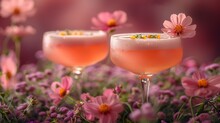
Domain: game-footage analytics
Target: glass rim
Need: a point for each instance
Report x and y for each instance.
(127, 36)
(55, 34)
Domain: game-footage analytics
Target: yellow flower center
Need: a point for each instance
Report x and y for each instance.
(111, 23)
(202, 83)
(178, 29)
(62, 92)
(69, 32)
(104, 108)
(8, 75)
(16, 11)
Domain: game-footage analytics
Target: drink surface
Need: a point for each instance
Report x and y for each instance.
(75, 50)
(145, 56)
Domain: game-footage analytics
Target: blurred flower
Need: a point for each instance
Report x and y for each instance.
(19, 31)
(180, 25)
(106, 109)
(19, 10)
(135, 115)
(86, 97)
(108, 92)
(109, 21)
(117, 89)
(22, 106)
(9, 70)
(154, 90)
(145, 112)
(211, 66)
(200, 85)
(60, 89)
(189, 62)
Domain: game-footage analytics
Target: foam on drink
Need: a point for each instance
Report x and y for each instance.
(124, 41)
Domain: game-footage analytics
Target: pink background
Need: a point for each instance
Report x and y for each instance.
(143, 16)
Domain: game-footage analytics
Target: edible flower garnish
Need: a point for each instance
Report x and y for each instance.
(154, 36)
(70, 32)
(140, 36)
(179, 25)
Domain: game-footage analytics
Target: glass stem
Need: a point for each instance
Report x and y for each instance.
(145, 85)
(77, 73)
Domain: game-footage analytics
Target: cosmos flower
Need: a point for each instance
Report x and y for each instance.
(180, 25)
(200, 85)
(9, 70)
(109, 21)
(60, 90)
(18, 10)
(19, 31)
(106, 109)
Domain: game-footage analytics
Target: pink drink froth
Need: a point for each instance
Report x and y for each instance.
(76, 50)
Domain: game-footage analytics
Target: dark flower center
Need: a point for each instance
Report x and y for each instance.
(16, 11)
(111, 23)
(178, 29)
(8, 75)
(62, 92)
(104, 108)
(203, 83)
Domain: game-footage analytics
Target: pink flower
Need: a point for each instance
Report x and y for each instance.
(19, 31)
(109, 21)
(9, 70)
(60, 90)
(86, 97)
(19, 10)
(200, 85)
(146, 112)
(212, 66)
(180, 25)
(108, 92)
(106, 109)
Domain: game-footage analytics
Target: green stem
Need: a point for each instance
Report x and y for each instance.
(17, 48)
(5, 45)
(191, 108)
(128, 106)
(180, 115)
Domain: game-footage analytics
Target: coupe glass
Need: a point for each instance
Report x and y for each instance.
(75, 49)
(145, 54)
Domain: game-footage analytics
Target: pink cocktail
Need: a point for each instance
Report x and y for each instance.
(147, 54)
(76, 49)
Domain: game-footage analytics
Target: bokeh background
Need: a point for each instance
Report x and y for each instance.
(143, 16)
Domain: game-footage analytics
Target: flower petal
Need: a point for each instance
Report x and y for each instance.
(120, 16)
(189, 83)
(189, 92)
(187, 21)
(191, 27)
(55, 87)
(168, 24)
(99, 100)
(104, 17)
(91, 108)
(117, 107)
(174, 19)
(67, 82)
(181, 17)
(215, 81)
(198, 75)
(188, 34)
(97, 22)
(105, 118)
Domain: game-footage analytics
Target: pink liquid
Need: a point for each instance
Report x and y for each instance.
(148, 61)
(76, 52)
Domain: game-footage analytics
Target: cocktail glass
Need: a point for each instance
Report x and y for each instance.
(75, 49)
(145, 54)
